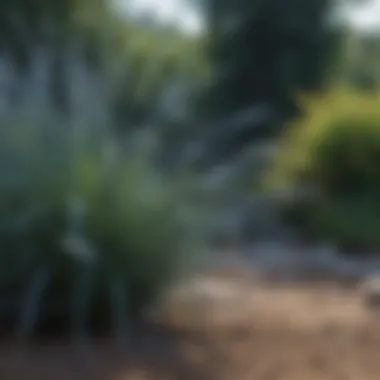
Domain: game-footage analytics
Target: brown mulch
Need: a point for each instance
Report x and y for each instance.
(279, 332)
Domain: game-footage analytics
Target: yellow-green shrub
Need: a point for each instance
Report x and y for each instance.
(334, 149)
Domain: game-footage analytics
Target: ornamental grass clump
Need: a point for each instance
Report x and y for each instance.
(90, 235)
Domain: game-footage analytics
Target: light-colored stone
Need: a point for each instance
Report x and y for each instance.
(204, 303)
(370, 290)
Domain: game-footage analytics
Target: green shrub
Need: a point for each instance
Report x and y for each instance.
(334, 150)
(88, 238)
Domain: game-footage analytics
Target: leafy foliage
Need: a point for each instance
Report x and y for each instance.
(335, 149)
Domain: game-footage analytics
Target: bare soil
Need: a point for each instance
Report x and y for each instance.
(278, 331)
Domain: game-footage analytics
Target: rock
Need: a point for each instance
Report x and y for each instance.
(370, 290)
(204, 303)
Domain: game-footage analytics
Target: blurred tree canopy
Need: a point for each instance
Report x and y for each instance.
(24, 22)
(266, 51)
(47, 32)
(157, 64)
(140, 62)
(255, 51)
